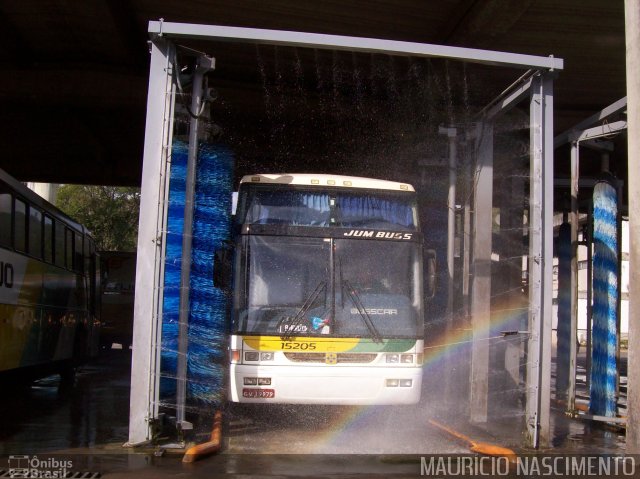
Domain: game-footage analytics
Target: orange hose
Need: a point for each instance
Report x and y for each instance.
(207, 448)
(479, 447)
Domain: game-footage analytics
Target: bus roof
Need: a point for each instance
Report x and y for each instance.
(326, 180)
(35, 199)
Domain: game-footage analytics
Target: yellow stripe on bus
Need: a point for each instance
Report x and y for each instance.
(320, 345)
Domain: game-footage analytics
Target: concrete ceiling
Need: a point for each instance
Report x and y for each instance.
(74, 73)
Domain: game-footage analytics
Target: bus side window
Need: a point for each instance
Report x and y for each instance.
(78, 264)
(35, 232)
(59, 244)
(48, 239)
(20, 226)
(5, 218)
(69, 248)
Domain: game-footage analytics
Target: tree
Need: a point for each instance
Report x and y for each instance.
(110, 213)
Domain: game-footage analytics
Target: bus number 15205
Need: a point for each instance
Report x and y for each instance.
(299, 346)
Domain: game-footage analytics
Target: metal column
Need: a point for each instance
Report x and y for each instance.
(481, 292)
(573, 220)
(540, 262)
(451, 218)
(147, 324)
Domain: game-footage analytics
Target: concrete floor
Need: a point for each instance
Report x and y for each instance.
(88, 424)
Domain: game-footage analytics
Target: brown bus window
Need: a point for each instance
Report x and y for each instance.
(48, 239)
(77, 257)
(35, 232)
(5, 218)
(69, 249)
(59, 249)
(20, 226)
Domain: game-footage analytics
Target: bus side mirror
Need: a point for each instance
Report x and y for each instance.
(222, 267)
(430, 280)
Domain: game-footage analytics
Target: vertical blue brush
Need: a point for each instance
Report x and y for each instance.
(605, 299)
(173, 261)
(564, 311)
(207, 320)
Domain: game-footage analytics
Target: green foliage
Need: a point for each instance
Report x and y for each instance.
(109, 212)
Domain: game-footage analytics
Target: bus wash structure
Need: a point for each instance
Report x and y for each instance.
(49, 287)
(327, 291)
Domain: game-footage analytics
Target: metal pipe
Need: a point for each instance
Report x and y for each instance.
(573, 337)
(451, 216)
(204, 64)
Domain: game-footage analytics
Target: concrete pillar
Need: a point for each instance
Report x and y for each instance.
(48, 191)
(632, 24)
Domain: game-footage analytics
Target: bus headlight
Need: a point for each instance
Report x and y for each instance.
(266, 356)
(406, 359)
(392, 358)
(392, 383)
(406, 383)
(251, 355)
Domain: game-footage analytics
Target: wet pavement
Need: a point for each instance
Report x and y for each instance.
(87, 423)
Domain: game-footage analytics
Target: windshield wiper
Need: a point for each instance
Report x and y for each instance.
(355, 298)
(297, 319)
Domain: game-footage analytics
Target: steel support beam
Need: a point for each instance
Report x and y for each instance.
(540, 262)
(599, 131)
(353, 44)
(147, 324)
(566, 136)
(510, 97)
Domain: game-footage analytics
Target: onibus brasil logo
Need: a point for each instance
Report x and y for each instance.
(32, 466)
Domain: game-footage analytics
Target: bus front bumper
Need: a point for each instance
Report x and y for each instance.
(351, 385)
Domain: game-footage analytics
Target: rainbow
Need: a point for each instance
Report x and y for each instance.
(443, 350)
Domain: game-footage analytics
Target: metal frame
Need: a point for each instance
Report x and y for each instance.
(153, 216)
(584, 132)
(147, 326)
(537, 411)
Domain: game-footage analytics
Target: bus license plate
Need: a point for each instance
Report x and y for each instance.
(258, 393)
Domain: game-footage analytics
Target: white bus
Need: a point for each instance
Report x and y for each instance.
(327, 291)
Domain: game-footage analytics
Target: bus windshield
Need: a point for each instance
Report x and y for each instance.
(330, 287)
(301, 206)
